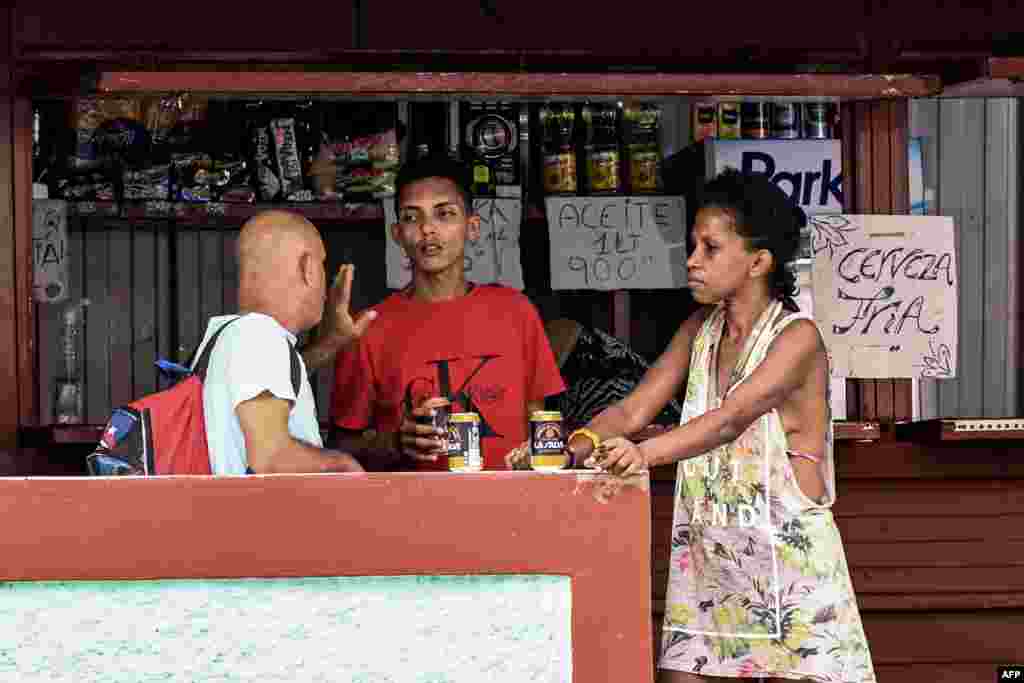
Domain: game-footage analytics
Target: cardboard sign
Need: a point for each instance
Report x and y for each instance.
(49, 250)
(608, 243)
(885, 294)
(494, 258)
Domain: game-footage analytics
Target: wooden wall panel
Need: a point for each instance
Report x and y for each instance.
(120, 275)
(190, 327)
(875, 167)
(144, 308)
(25, 346)
(49, 322)
(99, 317)
(165, 309)
(9, 332)
(211, 277)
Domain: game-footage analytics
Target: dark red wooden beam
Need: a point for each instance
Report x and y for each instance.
(233, 81)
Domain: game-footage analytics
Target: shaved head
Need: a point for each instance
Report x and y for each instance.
(280, 256)
(272, 238)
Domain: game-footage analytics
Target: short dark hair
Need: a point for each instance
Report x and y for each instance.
(439, 166)
(765, 217)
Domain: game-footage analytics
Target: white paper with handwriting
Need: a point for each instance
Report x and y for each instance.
(885, 291)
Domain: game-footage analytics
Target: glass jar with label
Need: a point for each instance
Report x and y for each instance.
(602, 149)
(558, 155)
(643, 147)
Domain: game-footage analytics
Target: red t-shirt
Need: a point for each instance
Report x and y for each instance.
(486, 352)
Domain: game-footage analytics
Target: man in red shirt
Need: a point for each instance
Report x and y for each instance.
(482, 347)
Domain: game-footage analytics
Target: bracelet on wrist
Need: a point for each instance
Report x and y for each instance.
(589, 434)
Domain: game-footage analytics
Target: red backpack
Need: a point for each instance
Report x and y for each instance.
(165, 432)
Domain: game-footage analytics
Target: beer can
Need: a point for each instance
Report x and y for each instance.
(705, 121)
(464, 443)
(786, 120)
(817, 125)
(755, 120)
(547, 441)
(729, 121)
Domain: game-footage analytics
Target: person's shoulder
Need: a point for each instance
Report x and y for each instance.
(393, 314)
(503, 295)
(252, 331)
(800, 334)
(396, 301)
(700, 316)
(256, 323)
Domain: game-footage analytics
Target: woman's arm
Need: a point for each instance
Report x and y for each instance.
(657, 387)
(786, 366)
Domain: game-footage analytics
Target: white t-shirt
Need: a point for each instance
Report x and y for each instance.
(251, 356)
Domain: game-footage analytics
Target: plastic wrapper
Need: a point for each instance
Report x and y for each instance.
(153, 182)
(364, 167)
(301, 196)
(286, 154)
(186, 169)
(266, 180)
(238, 194)
(87, 115)
(121, 141)
(188, 132)
(87, 187)
(160, 116)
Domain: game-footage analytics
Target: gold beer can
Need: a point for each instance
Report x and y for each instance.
(547, 441)
(464, 443)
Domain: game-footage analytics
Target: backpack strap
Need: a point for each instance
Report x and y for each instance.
(204, 360)
(296, 369)
(199, 369)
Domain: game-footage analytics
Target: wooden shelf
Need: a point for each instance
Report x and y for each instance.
(963, 429)
(855, 431)
(271, 80)
(194, 213)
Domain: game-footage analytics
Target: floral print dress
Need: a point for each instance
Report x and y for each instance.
(758, 583)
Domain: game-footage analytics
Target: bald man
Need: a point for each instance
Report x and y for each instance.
(255, 421)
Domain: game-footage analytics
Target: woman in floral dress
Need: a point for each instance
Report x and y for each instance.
(758, 584)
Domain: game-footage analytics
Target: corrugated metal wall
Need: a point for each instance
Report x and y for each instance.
(972, 164)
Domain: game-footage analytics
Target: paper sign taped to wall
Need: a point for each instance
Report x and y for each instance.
(608, 243)
(885, 294)
(494, 258)
(49, 250)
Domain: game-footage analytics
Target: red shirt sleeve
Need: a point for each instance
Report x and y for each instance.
(546, 379)
(354, 391)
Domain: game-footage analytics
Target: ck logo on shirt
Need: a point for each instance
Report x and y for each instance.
(463, 398)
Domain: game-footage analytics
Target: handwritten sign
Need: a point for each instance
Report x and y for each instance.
(49, 250)
(608, 243)
(494, 258)
(885, 294)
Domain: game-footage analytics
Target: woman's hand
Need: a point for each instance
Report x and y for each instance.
(519, 457)
(618, 456)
